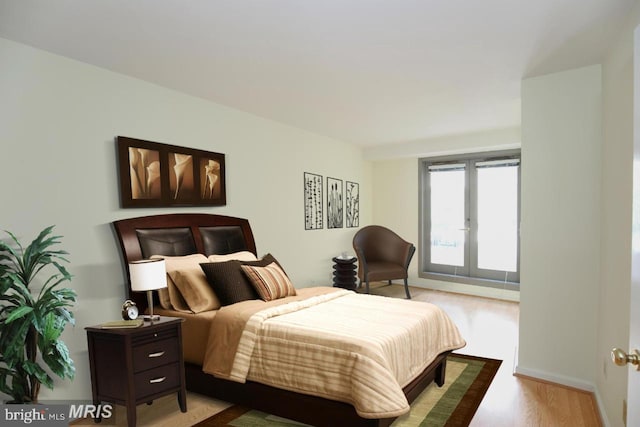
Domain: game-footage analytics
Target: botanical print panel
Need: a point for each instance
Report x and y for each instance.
(352, 204)
(144, 167)
(181, 182)
(313, 215)
(335, 205)
(210, 179)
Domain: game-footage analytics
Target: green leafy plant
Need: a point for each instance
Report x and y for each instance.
(30, 324)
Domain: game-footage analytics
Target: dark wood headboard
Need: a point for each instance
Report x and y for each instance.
(179, 234)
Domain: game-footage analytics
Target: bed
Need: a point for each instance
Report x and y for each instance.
(179, 235)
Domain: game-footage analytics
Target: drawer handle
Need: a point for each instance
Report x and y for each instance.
(157, 380)
(158, 354)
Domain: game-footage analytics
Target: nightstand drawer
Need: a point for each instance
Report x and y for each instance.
(154, 354)
(157, 380)
(157, 335)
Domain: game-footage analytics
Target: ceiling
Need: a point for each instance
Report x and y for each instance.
(369, 72)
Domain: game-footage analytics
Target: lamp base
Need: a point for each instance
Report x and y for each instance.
(150, 317)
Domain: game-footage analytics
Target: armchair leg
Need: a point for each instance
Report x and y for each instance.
(406, 289)
(389, 281)
(367, 283)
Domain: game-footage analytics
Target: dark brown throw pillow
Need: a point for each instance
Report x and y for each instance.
(229, 282)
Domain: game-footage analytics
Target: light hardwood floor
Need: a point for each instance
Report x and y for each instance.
(490, 328)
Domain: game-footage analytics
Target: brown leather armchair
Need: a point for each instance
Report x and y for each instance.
(382, 255)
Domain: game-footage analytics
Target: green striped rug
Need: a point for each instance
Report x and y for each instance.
(454, 404)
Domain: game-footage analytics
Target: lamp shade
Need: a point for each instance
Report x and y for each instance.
(148, 275)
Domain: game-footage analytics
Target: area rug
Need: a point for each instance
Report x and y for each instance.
(454, 404)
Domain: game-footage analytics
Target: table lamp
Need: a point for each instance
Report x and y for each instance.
(148, 275)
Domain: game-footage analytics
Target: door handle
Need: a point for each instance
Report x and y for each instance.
(621, 358)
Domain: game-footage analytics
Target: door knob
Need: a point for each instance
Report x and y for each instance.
(621, 358)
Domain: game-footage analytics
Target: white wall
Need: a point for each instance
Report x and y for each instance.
(560, 225)
(617, 174)
(488, 140)
(58, 121)
(396, 193)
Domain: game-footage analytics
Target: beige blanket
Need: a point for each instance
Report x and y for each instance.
(336, 344)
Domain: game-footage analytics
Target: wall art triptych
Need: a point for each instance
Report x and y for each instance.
(342, 203)
(154, 175)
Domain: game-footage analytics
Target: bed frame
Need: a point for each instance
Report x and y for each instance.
(184, 234)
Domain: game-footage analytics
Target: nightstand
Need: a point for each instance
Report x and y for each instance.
(130, 366)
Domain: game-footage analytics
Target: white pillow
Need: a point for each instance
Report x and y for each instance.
(236, 256)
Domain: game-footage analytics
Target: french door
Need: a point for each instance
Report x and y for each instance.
(471, 215)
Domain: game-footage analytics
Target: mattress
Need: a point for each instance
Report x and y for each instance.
(195, 332)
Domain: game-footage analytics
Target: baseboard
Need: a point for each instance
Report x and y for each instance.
(601, 411)
(565, 381)
(556, 379)
(461, 288)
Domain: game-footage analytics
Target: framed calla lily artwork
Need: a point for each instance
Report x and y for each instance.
(153, 174)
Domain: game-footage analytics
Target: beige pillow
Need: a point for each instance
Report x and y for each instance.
(195, 289)
(236, 256)
(165, 300)
(170, 297)
(187, 285)
(270, 282)
(163, 296)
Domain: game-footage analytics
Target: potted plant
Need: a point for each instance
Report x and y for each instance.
(31, 323)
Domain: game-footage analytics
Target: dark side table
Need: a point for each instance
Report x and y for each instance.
(344, 272)
(130, 366)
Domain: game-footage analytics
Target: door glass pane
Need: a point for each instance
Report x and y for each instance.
(498, 218)
(447, 217)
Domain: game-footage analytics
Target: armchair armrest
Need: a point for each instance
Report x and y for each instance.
(402, 252)
(362, 262)
(412, 250)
